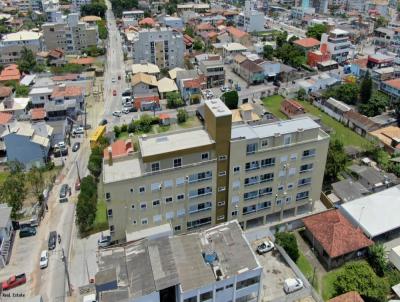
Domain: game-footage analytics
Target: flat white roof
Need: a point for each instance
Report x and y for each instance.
(234, 47)
(41, 90)
(127, 168)
(217, 107)
(163, 230)
(377, 213)
(153, 145)
(23, 35)
(338, 31)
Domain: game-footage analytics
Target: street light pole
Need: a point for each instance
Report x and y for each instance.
(64, 259)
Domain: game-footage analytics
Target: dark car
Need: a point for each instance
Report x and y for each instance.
(103, 122)
(52, 240)
(76, 146)
(63, 191)
(127, 92)
(27, 232)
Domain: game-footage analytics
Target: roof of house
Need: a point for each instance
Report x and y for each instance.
(348, 190)
(90, 19)
(188, 40)
(294, 103)
(387, 135)
(395, 83)
(5, 118)
(251, 66)
(362, 62)
(56, 53)
(237, 33)
(66, 91)
(23, 35)
(16, 104)
(172, 72)
(212, 34)
(234, 47)
(335, 233)
(83, 61)
(38, 113)
(5, 91)
(145, 68)
(352, 296)
(164, 116)
(119, 148)
(307, 42)
(10, 72)
(66, 77)
(204, 26)
(361, 120)
(144, 78)
(166, 85)
(239, 58)
(192, 83)
(147, 21)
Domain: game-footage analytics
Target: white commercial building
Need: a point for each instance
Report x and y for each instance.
(377, 214)
(11, 45)
(215, 265)
(251, 20)
(339, 45)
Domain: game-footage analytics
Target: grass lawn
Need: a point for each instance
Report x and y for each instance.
(273, 103)
(190, 122)
(307, 269)
(101, 215)
(347, 136)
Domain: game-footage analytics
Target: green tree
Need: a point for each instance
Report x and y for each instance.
(301, 94)
(27, 61)
(198, 44)
(96, 161)
(189, 30)
(182, 116)
(94, 51)
(336, 160)
(87, 204)
(21, 91)
(119, 6)
(379, 155)
(281, 39)
(13, 191)
(347, 93)
(377, 258)
(289, 243)
(316, 31)
(381, 21)
(117, 131)
(376, 105)
(231, 99)
(36, 181)
(174, 100)
(145, 123)
(291, 55)
(359, 276)
(366, 88)
(268, 52)
(94, 9)
(102, 27)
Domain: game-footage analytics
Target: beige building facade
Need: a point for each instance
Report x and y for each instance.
(205, 176)
(11, 45)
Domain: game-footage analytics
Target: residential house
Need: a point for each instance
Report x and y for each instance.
(213, 70)
(373, 179)
(348, 189)
(316, 55)
(6, 235)
(229, 50)
(146, 102)
(383, 36)
(307, 44)
(130, 18)
(10, 73)
(358, 67)
(318, 82)
(6, 119)
(251, 72)
(204, 27)
(147, 22)
(239, 36)
(6, 93)
(335, 240)
(339, 45)
(380, 60)
(172, 72)
(144, 84)
(26, 145)
(194, 7)
(40, 96)
(37, 114)
(188, 41)
(92, 20)
(292, 108)
(191, 90)
(65, 101)
(147, 68)
(166, 85)
(173, 22)
(56, 57)
(117, 149)
(245, 114)
(389, 138)
(391, 88)
(379, 75)
(333, 108)
(272, 69)
(16, 106)
(359, 123)
(352, 296)
(11, 45)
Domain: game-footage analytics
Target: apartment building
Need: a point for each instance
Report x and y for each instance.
(204, 176)
(251, 20)
(339, 45)
(11, 45)
(213, 71)
(161, 46)
(132, 17)
(226, 268)
(71, 35)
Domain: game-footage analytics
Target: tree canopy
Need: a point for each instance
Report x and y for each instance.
(174, 100)
(366, 88)
(376, 104)
(96, 8)
(27, 61)
(347, 93)
(289, 243)
(316, 31)
(119, 6)
(231, 99)
(336, 160)
(268, 52)
(182, 116)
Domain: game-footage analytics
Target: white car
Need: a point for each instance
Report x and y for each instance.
(292, 284)
(113, 80)
(125, 110)
(265, 247)
(44, 259)
(117, 113)
(61, 145)
(104, 241)
(78, 130)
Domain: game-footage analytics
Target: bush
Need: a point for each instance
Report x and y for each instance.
(87, 202)
(117, 131)
(288, 242)
(132, 127)
(124, 127)
(377, 258)
(182, 116)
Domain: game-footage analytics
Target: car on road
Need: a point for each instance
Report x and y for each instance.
(126, 92)
(27, 232)
(76, 146)
(52, 240)
(61, 145)
(114, 92)
(44, 259)
(103, 122)
(126, 110)
(13, 281)
(119, 77)
(292, 284)
(117, 113)
(78, 130)
(104, 241)
(113, 80)
(265, 247)
(64, 191)
(77, 185)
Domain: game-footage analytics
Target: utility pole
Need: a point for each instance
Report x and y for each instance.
(64, 259)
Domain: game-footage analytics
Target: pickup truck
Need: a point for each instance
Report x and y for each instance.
(13, 281)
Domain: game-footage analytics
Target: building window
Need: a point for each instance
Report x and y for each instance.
(223, 157)
(236, 169)
(112, 229)
(142, 189)
(206, 296)
(222, 173)
(134, 222)
(309, 153)
(280, 188)
(268, 162)
(108, 196)
(177, 228)
(287, 139)
(131, 190)
(302, 195)
(293, 156)
(156, 203)
(180, 181)
(221, 203)
(191, 299)
(180, 197)
(251, 148)
(155, 166)
(205, 156)
(250, 195)
(221, 189)
(266, 177)
(252, 165)
(144, 221)
(264, 143)
(168, 199)
(199, 222)
(290, 186)
(265, 191)
(306, 168)
(222, 217)
(229, 286)
(203, 206)
(234, 213)
(143, 205)
(247, 282)
(304, 182)
(109, 213)
(133, 207)
(219, 289)
(177, 162)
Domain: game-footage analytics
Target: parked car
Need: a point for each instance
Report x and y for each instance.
(126, 92)
(78, 130)
(113, 80)
(126, 110)
(265, 247)
(52, 240)
(103, 122)
(44, 259)
(292, 284)
(114, 92)
(104, 241)
(77, 185)
(61, 145)
(27, 232)
(63, 191)
(117, 113)
(13, 281)
(76, 146)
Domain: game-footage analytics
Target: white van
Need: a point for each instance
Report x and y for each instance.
(44, 259)
(292, 284)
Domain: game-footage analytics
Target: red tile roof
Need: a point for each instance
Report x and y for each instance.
(66, 77)
(204, 26)
(83, 61)
(5, 118)
(295, 104)
(38, 114)
(237, 33)
(194, 83)
(147, 21)
(138, 100)
(66, 91)
(362, 62)
(5, 91)
(10, 72)
(393, 83)
(361, 120)
(56, 53)
(335, 233)
(307, 42)
(352, 296)
(164, 116)
(119, 148)
(188, 40)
